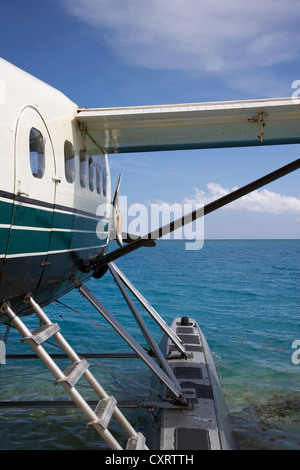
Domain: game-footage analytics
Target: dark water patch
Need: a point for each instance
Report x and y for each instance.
(274, 424)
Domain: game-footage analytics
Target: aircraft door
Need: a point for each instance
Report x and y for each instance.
(35, 166)
(34, 196)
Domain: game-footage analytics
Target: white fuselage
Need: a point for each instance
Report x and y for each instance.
(55, 190)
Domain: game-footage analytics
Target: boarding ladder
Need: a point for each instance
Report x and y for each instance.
(107, 405)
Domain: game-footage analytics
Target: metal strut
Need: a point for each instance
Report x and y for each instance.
(152, 343)
(171, 383)
(106, 407)
(163, 325)
(203, 211)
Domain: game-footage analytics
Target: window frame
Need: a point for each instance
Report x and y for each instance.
(69, 158)
(92, 174)
(98, 178)
(83, 168)
(104, 181)
(37, 155)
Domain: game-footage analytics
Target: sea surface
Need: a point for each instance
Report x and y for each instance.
(245, 295)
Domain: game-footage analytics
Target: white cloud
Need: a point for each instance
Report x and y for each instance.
(263, 201)
(212, 36)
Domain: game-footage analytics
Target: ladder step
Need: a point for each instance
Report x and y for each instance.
(136, 442)
(43, 333)
(105, 407)
(104, 411)
(73, 372)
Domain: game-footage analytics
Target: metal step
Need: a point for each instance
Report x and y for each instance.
(43, 333)
(104, 411)
(73, 372)
(136, 442)
(78, 367)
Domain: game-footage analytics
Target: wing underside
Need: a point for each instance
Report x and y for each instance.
(193, 126)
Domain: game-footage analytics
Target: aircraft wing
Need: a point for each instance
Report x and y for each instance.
(193, 126)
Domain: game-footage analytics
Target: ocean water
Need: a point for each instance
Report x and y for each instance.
(245, 296)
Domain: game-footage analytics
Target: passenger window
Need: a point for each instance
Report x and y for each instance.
(98, 178)
(104, 173)
(83, 169)
(37, 153)
(69, 162)
(91, 174)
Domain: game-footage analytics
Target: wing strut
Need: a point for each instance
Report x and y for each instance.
(153, 313)
(207, 209)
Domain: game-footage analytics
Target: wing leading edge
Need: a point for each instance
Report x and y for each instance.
(193, 126)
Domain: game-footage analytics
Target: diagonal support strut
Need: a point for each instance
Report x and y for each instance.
(207, 209)
(148, 307)
(152, 343)
(164, 378)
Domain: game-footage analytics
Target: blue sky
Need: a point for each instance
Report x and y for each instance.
(104, 53)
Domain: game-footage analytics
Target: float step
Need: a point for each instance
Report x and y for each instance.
(43, 333)
(136, 442)
(104, 411)
(73, 372)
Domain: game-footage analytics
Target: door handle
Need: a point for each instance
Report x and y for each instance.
(56, 179)
(22, 193)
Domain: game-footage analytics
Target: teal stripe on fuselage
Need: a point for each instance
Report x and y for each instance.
(25, 216)
(28, 241)
(71, 240)
(33, 241)
(5, 212)
(75, 221)
(35, 217)
(32, 231)
(4, 234)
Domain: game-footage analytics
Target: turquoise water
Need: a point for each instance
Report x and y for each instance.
(244, 295)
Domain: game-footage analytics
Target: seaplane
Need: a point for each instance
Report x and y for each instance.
(58, 215)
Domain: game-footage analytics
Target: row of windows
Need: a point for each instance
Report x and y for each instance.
(90, 172)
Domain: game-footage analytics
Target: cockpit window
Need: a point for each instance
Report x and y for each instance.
(69, 162)
(37, 153)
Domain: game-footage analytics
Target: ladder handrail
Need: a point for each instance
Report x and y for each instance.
(62, 379)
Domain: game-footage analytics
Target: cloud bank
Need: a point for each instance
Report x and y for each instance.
(263, 201)
(214, 36)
